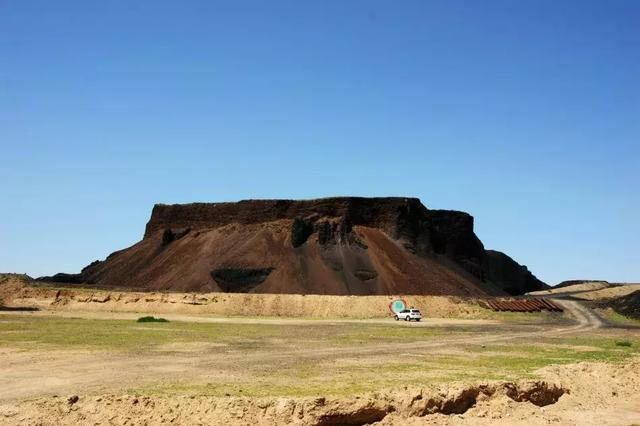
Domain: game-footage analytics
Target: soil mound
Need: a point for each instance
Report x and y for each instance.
(590, 291)
(33, 297)
(570, 283)
(338, 246)
(628, 305)
(564, 394)
(397, 405)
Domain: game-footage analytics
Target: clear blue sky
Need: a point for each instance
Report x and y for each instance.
(525, 114)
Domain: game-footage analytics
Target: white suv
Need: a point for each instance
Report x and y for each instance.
(408, 315)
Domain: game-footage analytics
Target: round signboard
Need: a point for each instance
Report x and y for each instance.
(397, 306)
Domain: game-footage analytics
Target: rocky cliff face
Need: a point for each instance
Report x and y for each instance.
(346, 245)
(510, 276)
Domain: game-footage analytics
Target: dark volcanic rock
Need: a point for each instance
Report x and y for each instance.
(382, 213)
(240, 280)
(301, 229)
(337, 231)
(344, 245)
(365, 275)
(628, 305)
(510, 276)
(91, 265)
(170, 235)
(62, 277)
(167, 237)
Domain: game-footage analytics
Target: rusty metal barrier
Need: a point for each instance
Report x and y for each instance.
(520, 305)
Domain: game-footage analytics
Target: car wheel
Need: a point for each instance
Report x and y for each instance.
(407, 318)
(396, 318)
(418, 319)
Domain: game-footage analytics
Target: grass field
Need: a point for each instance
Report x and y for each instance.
(618, 318)
(36, 332)
(344, 376)
(309, 358)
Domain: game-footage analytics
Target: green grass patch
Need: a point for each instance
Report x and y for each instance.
(624, 343)
(542, 317)
(618, 318)
(35, 331)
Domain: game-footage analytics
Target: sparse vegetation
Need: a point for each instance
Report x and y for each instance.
(331, 377)
(618, 318)
(371, 359)
(543, 317)
(124, 334)
(152, 319)
(19, 277)
(624, 343)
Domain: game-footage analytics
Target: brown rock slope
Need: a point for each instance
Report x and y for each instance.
(343, 245)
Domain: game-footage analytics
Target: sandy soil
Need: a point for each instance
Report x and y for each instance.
(74, 386)
(576, 288)
(33, 373)
(592, 291)
(225, 304)
(565, 395)
(30, 373)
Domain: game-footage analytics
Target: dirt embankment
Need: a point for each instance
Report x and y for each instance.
(621, 298)
(565, 395)
(19, 294)
(627, 305)
(591, 290)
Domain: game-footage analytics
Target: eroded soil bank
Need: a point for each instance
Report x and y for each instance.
(18, 294)
(583, 393)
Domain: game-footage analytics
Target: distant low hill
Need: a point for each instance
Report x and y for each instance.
(343, 245)
(569, 283)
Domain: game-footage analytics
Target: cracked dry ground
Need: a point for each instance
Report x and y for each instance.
(76, 368)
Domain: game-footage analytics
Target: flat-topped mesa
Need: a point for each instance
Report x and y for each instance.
(340, 245)
(402, 218)
(374, 212)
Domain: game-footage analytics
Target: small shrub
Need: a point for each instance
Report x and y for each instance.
(152, 319)
(624, 343)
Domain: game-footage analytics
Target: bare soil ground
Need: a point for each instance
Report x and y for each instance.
(16, 293)
(618, 303)
(593, 291)
(63, 365)
(563, 396)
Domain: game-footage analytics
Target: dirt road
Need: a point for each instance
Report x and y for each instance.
(586, 318)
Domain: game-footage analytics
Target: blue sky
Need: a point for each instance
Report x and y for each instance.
(525, 114)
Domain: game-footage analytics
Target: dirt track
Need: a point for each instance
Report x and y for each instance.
(586, 318)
